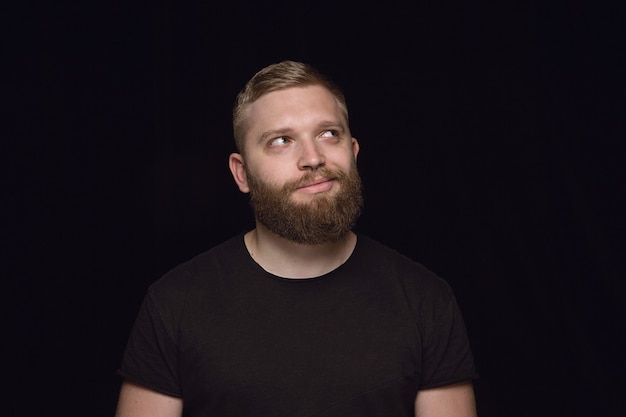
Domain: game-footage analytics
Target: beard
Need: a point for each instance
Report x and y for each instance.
(323, 219)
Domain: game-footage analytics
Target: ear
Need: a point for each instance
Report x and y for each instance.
(355, 147)
(238, 169)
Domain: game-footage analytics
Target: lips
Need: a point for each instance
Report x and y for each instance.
(317, 185)
(314, 182)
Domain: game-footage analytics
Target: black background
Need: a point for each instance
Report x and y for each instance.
(492, 151)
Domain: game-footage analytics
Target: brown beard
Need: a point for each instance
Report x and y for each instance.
(323, 219)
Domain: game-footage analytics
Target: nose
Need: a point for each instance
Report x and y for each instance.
(311, 156)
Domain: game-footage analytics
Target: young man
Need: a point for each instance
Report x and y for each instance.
(300, 317)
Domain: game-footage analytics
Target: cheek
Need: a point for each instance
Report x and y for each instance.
(346, 159)
(275, 174)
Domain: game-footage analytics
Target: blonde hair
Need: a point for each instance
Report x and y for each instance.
(276, 77)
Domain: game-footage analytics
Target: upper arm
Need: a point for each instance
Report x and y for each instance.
(138, 401)
(456, 400)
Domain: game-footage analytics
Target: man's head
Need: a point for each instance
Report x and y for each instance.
(277, 77)
(297, 157)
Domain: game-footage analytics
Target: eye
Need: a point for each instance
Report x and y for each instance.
(279, 141)
(330, 134)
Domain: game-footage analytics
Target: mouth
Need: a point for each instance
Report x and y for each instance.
(315, 181)
(317, 185)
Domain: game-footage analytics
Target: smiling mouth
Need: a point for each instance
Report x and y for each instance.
(317, 186)
(316, 182)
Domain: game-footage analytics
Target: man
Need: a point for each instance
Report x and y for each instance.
(300, 317)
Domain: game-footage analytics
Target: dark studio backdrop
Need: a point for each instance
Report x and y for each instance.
(492, 151)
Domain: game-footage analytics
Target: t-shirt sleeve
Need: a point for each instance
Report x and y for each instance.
(151, 355)
(447, 356)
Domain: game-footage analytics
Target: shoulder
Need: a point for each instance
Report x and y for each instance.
(428, 296)
(415, 279)
(200, 271)
(374, 252)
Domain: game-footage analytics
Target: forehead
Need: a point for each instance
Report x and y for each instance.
(292, 108)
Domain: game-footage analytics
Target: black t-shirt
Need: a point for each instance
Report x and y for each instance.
(234, 340)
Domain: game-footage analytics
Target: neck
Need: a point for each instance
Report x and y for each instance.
(287, 259)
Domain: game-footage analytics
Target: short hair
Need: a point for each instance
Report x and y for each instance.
(277, 77)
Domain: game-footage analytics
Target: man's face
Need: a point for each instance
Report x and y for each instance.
(300, 166)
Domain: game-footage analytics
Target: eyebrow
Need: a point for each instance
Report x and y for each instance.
(274, 132)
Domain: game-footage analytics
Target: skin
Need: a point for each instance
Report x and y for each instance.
(291, 132)
(456, 400)
(138, 401)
